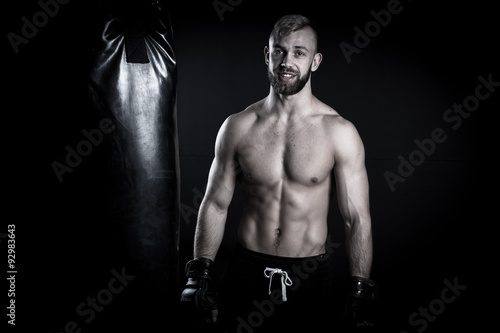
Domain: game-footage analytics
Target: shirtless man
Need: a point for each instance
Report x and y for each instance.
(283, 150)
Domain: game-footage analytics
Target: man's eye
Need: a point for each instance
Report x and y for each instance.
(276, 52)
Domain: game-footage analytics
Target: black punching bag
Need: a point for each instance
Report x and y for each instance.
(132, 81)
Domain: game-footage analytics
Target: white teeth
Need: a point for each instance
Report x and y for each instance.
(287, 75)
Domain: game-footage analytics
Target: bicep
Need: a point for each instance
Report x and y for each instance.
(351, 177)
(221, 182)
(352, 192)
(222, 175)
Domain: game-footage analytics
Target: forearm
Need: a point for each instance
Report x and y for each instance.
(359, 247)
(363, 290)
(209, 230)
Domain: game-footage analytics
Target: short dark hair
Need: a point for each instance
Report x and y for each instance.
(291, 23)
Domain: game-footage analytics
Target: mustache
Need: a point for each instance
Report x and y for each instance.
(281, 70)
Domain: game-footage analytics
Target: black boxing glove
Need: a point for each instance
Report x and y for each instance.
(360, 303)
(200, 290)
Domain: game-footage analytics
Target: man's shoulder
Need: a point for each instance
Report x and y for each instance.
(340, 129)
(332, 119)
(237, 124)
(244, 118)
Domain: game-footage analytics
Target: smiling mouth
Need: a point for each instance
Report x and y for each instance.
(287, 76)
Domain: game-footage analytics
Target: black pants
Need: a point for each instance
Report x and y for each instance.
(247, 307)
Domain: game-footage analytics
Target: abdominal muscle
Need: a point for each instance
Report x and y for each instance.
(285, 219)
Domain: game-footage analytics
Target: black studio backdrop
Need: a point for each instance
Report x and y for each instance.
(418, 79)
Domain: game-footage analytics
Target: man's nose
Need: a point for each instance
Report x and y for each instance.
(284, 61)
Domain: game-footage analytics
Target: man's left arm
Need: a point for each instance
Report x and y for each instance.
(353, 198)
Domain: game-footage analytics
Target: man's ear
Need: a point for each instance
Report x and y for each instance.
(316, 61)
(266, 55)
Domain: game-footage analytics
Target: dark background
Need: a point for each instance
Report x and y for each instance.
(436, 225)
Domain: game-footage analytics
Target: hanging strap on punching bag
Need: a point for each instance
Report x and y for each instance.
(135, 46)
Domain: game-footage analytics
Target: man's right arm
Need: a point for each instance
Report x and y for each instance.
(200, 291)
(220, 188)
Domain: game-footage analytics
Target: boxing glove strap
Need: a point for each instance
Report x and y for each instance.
(199, 268)
(364, 288)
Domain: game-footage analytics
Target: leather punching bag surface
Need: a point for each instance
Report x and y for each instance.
(133, 83)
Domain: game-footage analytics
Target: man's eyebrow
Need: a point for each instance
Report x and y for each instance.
(300, 47)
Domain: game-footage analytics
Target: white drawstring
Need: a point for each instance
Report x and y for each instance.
(285, 280)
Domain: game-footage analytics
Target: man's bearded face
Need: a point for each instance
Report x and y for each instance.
(287, 81)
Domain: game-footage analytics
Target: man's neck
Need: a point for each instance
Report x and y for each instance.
(286, 106)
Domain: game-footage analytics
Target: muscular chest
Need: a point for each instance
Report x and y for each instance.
(299, 154)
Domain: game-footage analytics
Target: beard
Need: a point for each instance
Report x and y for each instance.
(287, 88)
